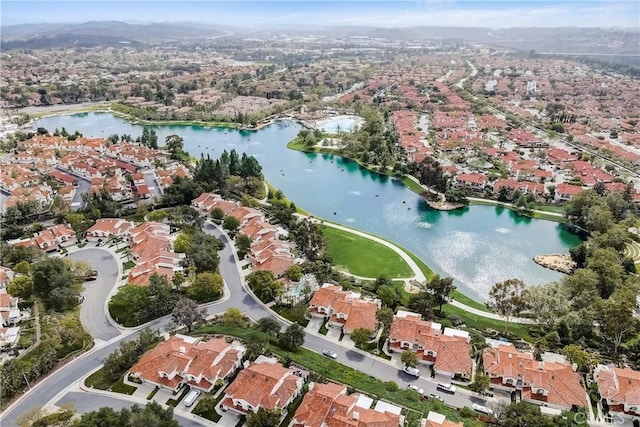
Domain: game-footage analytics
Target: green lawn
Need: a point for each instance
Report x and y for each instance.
(362, 256)
(297, 144)
(460, 297)
(412, 185)
(368, 384)
(482, 323)
(102, 380)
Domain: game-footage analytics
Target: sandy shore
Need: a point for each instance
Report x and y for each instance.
(558, 262)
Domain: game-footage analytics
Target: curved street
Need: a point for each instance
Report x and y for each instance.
(58, 387)
(94, 314)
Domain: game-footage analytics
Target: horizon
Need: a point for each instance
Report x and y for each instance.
(268, 14)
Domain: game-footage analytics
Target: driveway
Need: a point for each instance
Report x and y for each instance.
(92, 313)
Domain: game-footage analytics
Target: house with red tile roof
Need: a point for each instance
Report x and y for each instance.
(205, 202)
(344, 309)
(620, 388)
(435, 419)
(523, 186)
(54, 237)
(329, 405)
(6, 276)
(525, 139)
(164, 263)
(183, 360)
(449, 352)
(264, 383)
(564, 192)
(9, 310)
(474, 181)
(105, 228)
(548, 383)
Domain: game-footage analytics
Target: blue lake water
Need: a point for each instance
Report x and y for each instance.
(477, 246)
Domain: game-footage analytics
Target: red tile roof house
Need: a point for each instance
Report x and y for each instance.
(553, 384)
(264, 383)
(9, 311)
(344, 309)
(564, 192)
(6, 276)
(475, 181)
(435, 419)
(105, 228)
(620, 387)
(205, 202)
(54, 237)
(449, 353)
(184, 360)
(328, 405)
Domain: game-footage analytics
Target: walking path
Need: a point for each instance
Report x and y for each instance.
(419, 275)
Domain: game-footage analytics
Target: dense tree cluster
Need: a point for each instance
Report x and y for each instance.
(135, 305)
(603, 289)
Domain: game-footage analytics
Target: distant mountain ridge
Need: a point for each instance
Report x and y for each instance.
(102, 33)
(111, 33)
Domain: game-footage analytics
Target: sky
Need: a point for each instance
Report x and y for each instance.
(389, 13)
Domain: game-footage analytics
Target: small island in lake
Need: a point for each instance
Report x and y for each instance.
(558, 262)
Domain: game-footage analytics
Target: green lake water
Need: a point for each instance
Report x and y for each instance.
(477, 246)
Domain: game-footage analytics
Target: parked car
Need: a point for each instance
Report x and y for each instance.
(416, 388)
(329, 353)
(412, 371)
(447, 387)
(191, 397)
(436, 397)
(93, 275)
(482, 409)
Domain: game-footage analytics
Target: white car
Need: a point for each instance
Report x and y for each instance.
(412, 371)
(436, 397)
(416, 388)
(329, 353)
(482, 409)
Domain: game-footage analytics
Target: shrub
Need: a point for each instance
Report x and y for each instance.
(391, 386)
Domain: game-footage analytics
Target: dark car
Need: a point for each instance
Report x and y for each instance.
(93, 275)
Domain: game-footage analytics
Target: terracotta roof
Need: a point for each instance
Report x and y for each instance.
(264, 385)
(200, 364)
(317, 403)
(620, 386)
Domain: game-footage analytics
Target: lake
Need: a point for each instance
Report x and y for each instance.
(477, 246)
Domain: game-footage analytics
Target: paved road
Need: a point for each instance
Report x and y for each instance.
(86, 402)
(93, 312)
(53, 387)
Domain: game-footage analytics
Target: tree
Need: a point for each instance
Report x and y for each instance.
(21, 286)
(523, 414)
(409, 358)
(182, 243)
(577, 355)
(22, 267)
(441, 289)
(255, 344)
(153, 414)
(422, 303)
(480, 383)
(175, 145)
(187, 313)
(388, 296)
(268, 325)
(243, 244)
(292, 337)
(206, 287)
(507, 299)
(547, 303)
(264, 418)
(605, 263)
(234, 317)
(616, 317)
(294, 273)
(360, 337)
(264, 285)
(231, 224)
(385, 316)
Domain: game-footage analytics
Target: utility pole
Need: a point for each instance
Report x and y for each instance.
(26, 380)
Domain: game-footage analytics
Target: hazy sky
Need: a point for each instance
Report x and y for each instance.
(494, 14)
